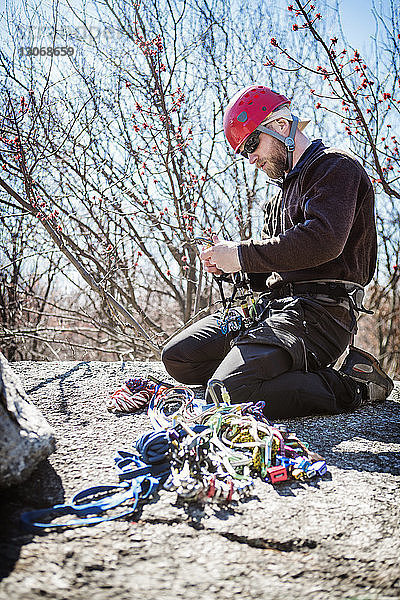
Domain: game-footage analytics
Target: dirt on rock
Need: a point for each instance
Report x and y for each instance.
(333, 538)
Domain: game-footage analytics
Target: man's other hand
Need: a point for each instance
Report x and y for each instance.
(223, 257)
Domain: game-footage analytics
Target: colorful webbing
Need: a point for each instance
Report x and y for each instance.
(89, 513)
(139, 481)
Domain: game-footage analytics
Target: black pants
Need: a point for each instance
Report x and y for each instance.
(282, 359)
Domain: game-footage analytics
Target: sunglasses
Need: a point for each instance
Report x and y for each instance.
(251, 144)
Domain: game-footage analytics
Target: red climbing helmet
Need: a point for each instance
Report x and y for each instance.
(247, 110)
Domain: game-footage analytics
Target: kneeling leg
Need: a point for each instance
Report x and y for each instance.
(254, 372)
(192, 356)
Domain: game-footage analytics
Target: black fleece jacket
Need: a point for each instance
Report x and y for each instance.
(321, 225)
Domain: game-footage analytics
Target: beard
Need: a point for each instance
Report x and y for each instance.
(274, 165)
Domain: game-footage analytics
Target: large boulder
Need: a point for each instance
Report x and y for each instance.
(26, 438)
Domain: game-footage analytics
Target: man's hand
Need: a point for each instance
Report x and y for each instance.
(223, 257)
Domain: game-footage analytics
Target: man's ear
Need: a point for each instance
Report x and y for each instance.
(283, 126)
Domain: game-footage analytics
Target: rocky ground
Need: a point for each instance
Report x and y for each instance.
(335, 538)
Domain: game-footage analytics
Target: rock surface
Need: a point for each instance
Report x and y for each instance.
(25, 436)
(334, 538)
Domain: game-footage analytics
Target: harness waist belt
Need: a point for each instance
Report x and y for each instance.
(352, 292)
(332, 290)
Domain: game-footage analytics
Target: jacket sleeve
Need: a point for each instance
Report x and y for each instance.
(329, 199)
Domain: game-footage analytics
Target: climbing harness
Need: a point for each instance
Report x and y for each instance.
(346, 293)
(203, 452)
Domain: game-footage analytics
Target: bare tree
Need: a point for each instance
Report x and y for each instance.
(122, 157)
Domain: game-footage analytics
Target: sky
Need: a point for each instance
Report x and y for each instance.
(358, 21)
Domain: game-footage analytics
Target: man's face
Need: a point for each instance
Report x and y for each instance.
(270, 156)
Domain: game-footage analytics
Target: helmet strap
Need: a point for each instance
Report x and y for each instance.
(288, 141)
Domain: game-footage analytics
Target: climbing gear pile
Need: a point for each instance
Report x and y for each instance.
(203, 452)
(236, 444)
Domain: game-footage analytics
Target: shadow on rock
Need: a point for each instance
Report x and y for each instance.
(43, 489)
(62, 377)
(362, 440)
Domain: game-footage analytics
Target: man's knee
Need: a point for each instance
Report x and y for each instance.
(181, 368)
(176, 351)
(173, 363)
(168, 353)
(248, 366)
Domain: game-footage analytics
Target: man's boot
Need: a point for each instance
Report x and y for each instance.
(363, 367)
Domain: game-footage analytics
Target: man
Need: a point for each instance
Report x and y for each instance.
(317, 253)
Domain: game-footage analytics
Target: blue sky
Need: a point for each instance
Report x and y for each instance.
(358, 21)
